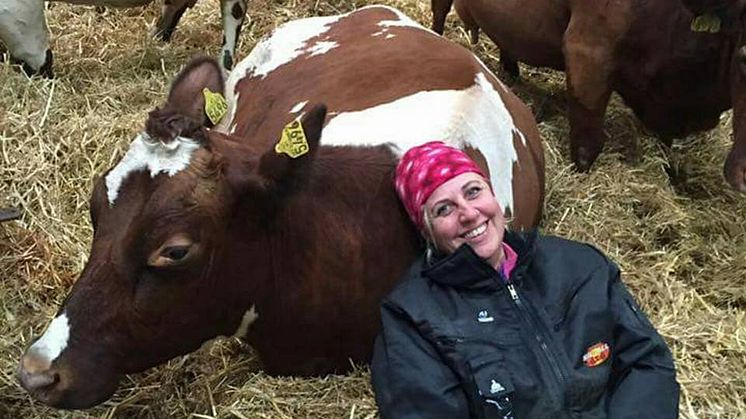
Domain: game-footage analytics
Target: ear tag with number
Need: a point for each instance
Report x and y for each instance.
(708, 22)
(293, 141)
(215, 105)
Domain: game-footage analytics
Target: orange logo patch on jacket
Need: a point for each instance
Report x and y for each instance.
(596, 354)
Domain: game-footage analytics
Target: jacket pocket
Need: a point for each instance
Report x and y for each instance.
(494, 387)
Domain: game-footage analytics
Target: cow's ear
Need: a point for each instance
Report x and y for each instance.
(267, 173)
(186, 95)
(278, 168)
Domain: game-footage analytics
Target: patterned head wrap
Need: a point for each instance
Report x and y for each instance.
(422, 169)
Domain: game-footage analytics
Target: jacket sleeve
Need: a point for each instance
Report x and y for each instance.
(643, 382)
(409, 378)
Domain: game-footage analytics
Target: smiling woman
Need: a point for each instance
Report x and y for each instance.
(495, 324)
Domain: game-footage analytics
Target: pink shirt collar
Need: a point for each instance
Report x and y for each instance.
(510, 258)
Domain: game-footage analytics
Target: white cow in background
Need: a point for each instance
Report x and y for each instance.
(23, 28)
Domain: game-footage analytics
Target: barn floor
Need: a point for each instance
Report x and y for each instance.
(666, 216)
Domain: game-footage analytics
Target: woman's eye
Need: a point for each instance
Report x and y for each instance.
(176, 252)
(473, 191)
(442, 210)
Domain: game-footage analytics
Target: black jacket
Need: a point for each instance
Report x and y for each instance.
(561, 338)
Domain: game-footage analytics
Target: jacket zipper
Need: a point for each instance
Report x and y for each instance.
(553, 363)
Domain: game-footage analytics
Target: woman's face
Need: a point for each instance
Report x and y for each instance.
(464, 210)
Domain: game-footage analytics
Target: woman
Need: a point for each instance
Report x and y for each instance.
(495, 324)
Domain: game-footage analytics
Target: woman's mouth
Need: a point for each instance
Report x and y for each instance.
(475, 232)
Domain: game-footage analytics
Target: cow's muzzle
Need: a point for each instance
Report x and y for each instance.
(60, 387)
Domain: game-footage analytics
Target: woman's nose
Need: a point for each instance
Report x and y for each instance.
(468, 213)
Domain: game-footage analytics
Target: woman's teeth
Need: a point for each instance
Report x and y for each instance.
(476, 232)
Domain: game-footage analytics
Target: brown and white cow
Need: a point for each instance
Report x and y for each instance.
(23, 28)
(675, 79)
(205, 232)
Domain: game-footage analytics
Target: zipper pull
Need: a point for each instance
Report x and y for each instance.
(513, 294)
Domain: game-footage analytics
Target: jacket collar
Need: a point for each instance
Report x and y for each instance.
(464, 268)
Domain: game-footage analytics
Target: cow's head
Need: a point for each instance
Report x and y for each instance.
(167, 237)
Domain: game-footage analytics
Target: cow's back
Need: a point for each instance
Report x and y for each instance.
(387, 80)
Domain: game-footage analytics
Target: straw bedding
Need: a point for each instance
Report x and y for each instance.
(665, 215)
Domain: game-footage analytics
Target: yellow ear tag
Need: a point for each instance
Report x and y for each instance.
(293, 141)
(708, 22)
(215, 105)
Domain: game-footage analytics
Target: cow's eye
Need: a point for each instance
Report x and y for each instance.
(173, 252)
(176, 253)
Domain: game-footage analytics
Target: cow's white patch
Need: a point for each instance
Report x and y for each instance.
(401, 20)
(298, 106)
(322, 47)
(287, 42)
(248, 318)
(155, 156)
(475, 116)
(54, 340)
(284, 44)
(23, 30)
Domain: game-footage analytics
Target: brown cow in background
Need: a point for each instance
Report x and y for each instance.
(676, 80)
(205, 232)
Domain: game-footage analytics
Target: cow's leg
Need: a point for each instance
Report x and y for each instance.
(440, 11)
(509, 66)
(171, 13)
(234, 12)
(588, 47)
(23, 29)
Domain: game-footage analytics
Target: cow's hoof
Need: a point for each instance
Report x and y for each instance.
(583, 158)
(162, 34)
(735, 174)
(510, 71)
(227, 61)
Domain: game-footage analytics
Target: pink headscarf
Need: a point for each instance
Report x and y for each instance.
(422, 169)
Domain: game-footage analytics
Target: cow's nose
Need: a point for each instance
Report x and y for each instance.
(37, 375)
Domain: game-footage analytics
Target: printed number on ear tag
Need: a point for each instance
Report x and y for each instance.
(215, 105)
(293, 141)
(708, 22)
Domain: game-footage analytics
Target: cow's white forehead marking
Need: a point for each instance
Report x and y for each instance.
(54, 340)
(155, 156)
(298, 106)
(475, 116)
(322, 47)
(249, 317)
